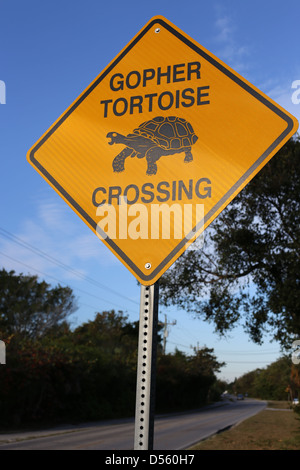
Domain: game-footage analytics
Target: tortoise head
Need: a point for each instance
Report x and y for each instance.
(115, 138)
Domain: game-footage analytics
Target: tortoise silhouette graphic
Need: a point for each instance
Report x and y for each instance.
(154, 139)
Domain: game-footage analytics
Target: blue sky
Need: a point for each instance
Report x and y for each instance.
(49, 53)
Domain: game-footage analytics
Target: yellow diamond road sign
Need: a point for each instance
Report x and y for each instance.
(155, 148)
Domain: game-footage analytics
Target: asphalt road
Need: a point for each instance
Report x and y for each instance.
(171, 432)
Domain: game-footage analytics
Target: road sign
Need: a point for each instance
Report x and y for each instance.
(158, 145)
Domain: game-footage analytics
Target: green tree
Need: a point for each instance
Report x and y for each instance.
(185, 382)
(245, 383)
(249, 267)
(110, 336)
(30, 308)
(270, 383)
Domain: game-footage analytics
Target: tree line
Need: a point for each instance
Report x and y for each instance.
(54, 373)
(279, 381)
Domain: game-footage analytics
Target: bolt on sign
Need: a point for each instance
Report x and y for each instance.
(158, 145)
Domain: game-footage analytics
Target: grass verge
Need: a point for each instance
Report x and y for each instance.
(274, 429)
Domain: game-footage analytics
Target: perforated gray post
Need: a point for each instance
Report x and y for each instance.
(146, 368)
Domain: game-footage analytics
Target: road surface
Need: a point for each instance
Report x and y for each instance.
(171, 432)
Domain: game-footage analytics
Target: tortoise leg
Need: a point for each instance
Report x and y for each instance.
(119, 160)
(151, 168)
(188, 155)
(152, 155)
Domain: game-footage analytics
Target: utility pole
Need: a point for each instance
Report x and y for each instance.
(195, 348)
(166, 333)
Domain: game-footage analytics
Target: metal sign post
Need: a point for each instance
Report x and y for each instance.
(146, 368)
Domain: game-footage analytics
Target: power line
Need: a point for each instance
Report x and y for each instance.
(232, 352)
(10, 236)
(105, 300)
(61, 282)
(247, 362)
(187, 332)
(178, 344)
(6, 234)
(246, 353)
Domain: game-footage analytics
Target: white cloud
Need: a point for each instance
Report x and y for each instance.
(229, 49)
(224, 29)
(57, 232)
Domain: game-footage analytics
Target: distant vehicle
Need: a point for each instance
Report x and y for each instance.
(296, 401)
(240, 396)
